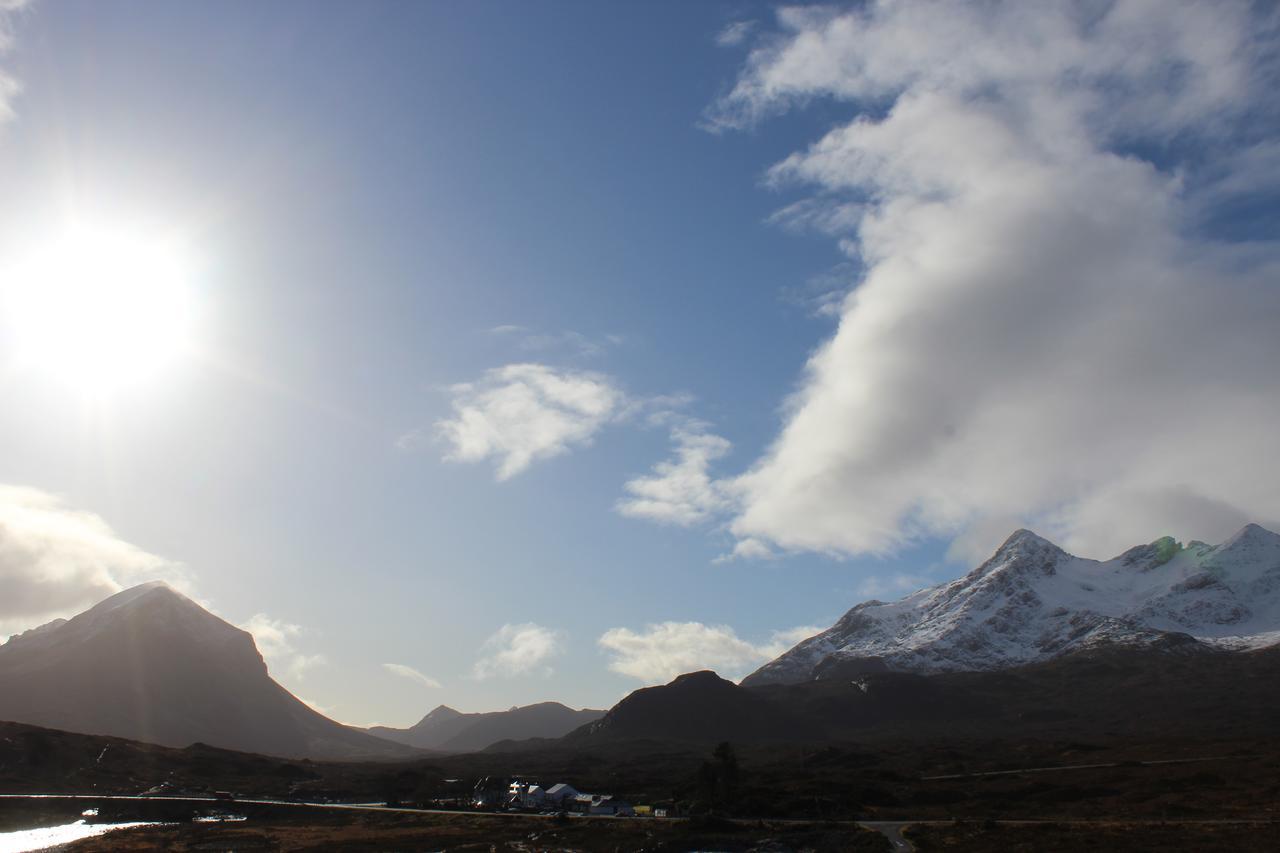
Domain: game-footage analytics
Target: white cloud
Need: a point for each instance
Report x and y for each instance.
(661, 652)
(680, 490)
(522, 413)
(410, 673)
(1041, 330)
(9, 87)
(735, 33)
(56, 560)
(523, 649)
(748, 549)
(574, 343)
(277, 640)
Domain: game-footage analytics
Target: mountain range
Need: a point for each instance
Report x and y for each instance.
(1032, 602)
(447, 730)
(1107, 691)
(1165, 636)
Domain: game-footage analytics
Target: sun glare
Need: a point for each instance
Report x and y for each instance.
(101, 308)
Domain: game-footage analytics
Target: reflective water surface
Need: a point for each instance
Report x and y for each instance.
(47, 836)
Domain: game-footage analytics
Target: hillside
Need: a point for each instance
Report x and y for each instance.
(1123, 690)
(697, 706)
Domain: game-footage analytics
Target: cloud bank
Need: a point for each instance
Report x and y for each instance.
(56, 560)
(524, 649)
(1055, 324)
(662, 651)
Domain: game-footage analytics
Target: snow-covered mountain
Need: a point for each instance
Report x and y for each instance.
(1032, 601)
(150, 664)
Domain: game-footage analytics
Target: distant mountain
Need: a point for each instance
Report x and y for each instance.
(1034, 602)
(447, 730)
(150, 664)
(698, 706)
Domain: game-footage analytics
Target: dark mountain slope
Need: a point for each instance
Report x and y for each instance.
(152, 665)
(1181, 689)
(698, 706)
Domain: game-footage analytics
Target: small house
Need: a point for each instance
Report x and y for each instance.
(558, 793)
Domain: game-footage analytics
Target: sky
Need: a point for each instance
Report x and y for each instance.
(490, 353)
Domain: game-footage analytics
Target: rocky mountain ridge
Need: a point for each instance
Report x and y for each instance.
(1032, 601)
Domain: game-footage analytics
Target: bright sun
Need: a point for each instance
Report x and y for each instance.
(101, 308)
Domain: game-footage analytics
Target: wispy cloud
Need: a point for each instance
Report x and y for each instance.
(823, 295)
(567, 342)
(56, 560)
(784, 641)
(9, 87)
(748, 548)
(405, 671)
(277, 641)
(680, 490)
(662, 651)
(735, 33)
(524, 649)
(522, 413)
(1037, 326)
(894, 585)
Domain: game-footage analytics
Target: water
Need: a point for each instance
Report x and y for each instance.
(48, 836)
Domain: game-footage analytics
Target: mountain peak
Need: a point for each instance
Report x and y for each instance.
(701, 678)
(150, 590)
(1252, 534)
(1022, 539)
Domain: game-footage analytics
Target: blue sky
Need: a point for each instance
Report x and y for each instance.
(658, 210)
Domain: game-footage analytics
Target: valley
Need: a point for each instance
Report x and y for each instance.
(1130, 733)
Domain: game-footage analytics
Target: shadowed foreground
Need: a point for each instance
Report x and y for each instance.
(1117, 837)
(390, 831)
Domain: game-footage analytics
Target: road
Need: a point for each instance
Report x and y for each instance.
(890, 829)
(369, 807)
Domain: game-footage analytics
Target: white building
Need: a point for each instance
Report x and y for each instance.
(557, 794)
(526, 795)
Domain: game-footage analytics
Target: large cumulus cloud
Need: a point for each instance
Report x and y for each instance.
(1055, 324)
